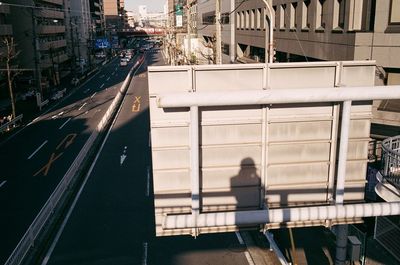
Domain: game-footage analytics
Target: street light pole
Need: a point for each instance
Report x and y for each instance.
(35, 55)
(218, 40)
(271, 33)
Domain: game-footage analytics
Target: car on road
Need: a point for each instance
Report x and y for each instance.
(123, 62)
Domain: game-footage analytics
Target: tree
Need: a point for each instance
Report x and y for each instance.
(11, 71)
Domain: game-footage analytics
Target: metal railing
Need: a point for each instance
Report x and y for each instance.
(387, 234)
(391, 160)
(7, 125)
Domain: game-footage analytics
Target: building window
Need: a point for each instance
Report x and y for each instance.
(225, 48)
(319, 18)
(237, 20)
(242, 20)
(225, 18)
(305, 22)
(339, 8)
(282, 16)
(355, 14)
(208, 18)
(252, 18)
(394, 15)
(258, 18)
(247, 19)
(293, 15)
(276, 22)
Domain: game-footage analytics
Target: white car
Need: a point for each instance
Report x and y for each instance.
(123, 62)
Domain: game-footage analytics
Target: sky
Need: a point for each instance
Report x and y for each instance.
(152, 5)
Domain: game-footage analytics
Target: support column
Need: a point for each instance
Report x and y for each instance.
(194, 164)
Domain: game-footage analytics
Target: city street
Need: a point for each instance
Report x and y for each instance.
(112, 221)
(37, 157)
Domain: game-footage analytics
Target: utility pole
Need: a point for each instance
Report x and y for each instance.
(73, 64)
(189, 27)
(78, 44)
(218, 56)
(35, 55)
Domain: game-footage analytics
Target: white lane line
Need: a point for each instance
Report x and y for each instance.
(64, 123)
(108, 78)
(102, 85)
(148, 182)
(86, 90)
(82, 106)
(246, 253)
(145, 246)
(2, 183)
(113, 73)
(37, 149)
(93, 94)
(239, 237)
(71, 209)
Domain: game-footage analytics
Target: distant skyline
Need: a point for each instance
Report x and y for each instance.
(152, 5)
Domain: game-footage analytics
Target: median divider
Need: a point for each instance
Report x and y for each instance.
(59, 197)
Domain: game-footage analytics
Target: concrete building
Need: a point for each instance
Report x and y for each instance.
(5, 31)
(114, 13)
(206, 30)
(80, 32)
(43, 24)
(98, 18)
(327, 30)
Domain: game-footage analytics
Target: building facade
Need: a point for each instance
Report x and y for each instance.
(41, 23)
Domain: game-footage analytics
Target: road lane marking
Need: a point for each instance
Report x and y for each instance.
(37, 149)
(113, 73)
(148, 182)
(68, 140)
(93, 94)
(58, 115)
(136, 104)
(102, 85)
(2, 183)
(86, 90)
(101, 76)
(108, 78)
(71, 209)
(144, 260)
(82, 106)
(123, 156)
(64, 123)
(46, 167)
(246, 252)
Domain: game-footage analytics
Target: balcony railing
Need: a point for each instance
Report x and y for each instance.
(5, 30)
(48, 29)
(50, 13)
(52, 44)
(391, 160)
(56, 60)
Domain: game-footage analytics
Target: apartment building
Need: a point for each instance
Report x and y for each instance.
(41, 23)
(98, 18)
(206, 28)
(5, 31)
(115, 14)
(327, 30)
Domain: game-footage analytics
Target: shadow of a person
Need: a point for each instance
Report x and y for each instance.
(246, 186)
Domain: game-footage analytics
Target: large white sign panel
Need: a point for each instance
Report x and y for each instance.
(260, 155)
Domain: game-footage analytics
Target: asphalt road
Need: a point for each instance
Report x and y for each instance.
(35, 159)
(112, 221)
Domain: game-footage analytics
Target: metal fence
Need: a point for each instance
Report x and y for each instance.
(391, 160)
(387, 234)
(362, 236)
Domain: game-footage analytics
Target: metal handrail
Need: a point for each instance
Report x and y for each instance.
(391, 160)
